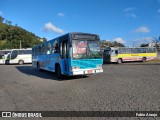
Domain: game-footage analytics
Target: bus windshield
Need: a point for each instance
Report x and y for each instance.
(86, 49)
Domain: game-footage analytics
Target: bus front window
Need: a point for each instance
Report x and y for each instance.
(114, 53)
(86, 49)
(94, 49)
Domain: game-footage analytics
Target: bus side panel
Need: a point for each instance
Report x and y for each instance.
(48, 61)
(135, 57)
(65, 66)
(51, 60)
(27, 58)
(13, 61)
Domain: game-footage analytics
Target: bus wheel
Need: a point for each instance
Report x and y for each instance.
(144, 59)
(38, 67)
(21, 62)
(119, 61)
(59, 74)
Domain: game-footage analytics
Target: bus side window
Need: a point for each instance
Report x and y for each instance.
(14, 54)
(39, 50)
(21, 52)
(48, 48)
(28, 51)
(55, 47)
(43, 49)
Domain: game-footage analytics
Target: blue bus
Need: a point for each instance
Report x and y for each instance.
(70, 54)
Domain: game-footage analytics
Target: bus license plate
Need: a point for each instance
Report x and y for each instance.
(90, 71)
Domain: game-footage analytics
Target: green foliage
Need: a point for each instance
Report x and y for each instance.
(144, 45)
(1, 19)
(11, 36)
(111, 44)
(157, 42)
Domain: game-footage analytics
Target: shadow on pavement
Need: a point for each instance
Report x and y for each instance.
(29, 70)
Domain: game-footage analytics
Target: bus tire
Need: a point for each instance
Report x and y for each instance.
(7, 62)
(58, 72)
(38, 67)
(20, 62)
(119, 61)
(144, 59)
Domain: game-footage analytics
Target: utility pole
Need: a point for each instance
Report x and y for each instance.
(20, 44)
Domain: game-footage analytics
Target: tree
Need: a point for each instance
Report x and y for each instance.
(105, 44)
(157, 42)
(1, 19)
(44, 39)
(9, 22)
(11, 36)
(117, 44)
(144, 45)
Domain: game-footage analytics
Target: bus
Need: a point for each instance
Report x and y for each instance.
(70, 54)
(19, 56)
(3, 55)
(122, 54)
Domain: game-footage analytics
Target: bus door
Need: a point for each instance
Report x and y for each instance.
(64, 53)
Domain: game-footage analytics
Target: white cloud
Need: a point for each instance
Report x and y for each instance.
(129, 9)
(61, 15)
(143, 40)
(1, 13)
(48, 27)
(130, 12)
(132, 15)
(142, 29)
(120, 40)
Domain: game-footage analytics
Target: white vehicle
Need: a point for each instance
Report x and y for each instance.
(19, 56)
(3, 55)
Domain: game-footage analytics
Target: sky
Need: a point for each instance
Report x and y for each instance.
(131, 22)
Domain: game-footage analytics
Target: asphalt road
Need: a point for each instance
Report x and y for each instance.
(125, 87)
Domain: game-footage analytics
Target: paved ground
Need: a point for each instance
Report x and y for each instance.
(125, 87)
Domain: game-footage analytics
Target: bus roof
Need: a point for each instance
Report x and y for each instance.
(22, 49)
(70, 34)
(128, 47)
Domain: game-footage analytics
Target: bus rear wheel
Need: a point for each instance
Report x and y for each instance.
(38, 67)
(58, 71)
(119, 61)
(21, 62)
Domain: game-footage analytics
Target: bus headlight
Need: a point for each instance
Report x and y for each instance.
(99, 66)
(74, 67)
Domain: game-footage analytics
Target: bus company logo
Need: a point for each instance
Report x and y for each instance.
(6, 114)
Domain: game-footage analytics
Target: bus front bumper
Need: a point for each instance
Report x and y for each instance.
(86, 71)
